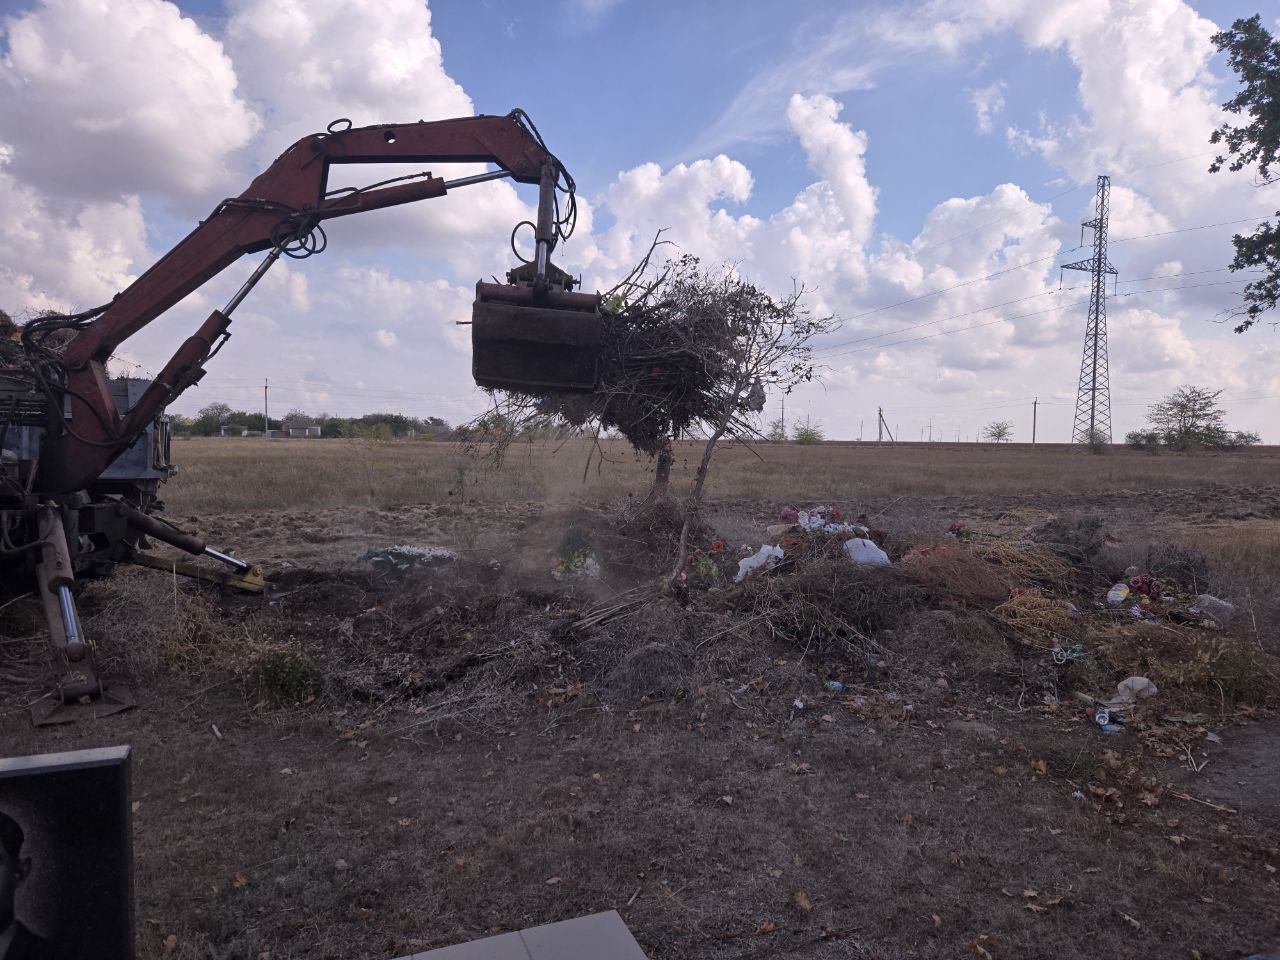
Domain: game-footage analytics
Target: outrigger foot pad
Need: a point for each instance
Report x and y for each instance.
(80, 698)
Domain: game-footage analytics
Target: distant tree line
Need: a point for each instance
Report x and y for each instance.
(807, 432)
(210, 420)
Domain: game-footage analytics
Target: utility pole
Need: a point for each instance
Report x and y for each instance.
(860, 423)
(922, 434)
(882, 427)
(1035, 404)
(1092, 426)
(957, 434)
(266, 420)
(931, 429)
(784, 416)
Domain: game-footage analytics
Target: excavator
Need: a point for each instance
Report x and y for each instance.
(82, 454)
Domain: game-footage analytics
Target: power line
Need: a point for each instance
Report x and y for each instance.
(1022, 316)
(1030, 263)
(1202, 226)
(1033, 296)
(954, 316)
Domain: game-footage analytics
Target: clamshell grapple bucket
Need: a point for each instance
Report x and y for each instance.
(524, 339)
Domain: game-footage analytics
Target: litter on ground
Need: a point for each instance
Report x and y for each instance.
(405, 556)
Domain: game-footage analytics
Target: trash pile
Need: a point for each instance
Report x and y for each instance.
(795, 528)
(575, 557)
(1144, 597)
(405, 556)
(1111, 715)
(1077, 637)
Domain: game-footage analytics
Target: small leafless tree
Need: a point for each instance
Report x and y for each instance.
(998, 431)
(686, 350)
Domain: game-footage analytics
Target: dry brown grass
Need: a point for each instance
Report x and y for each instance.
(957, 576)
(224, 474)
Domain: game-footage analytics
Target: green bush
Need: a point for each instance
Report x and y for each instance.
(287, 675)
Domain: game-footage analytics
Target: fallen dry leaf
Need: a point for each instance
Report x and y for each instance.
(1035, 908)
(552, 881)
(1130, 921)
(979, 949)
(1000, 769)
(802, 902)
(1040, 767)
(1111, 758)
(240, 880)
(766, 927)
(1178, 839)
(937, 920)
(1030, 893)
(405, 821)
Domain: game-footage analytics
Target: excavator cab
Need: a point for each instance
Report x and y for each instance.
(534, 333)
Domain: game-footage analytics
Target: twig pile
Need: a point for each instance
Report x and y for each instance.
(1030, 562)
(1033, 614)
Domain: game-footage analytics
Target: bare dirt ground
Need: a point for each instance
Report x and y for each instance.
(366, 764)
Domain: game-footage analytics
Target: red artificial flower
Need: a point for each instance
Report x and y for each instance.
(717, 546)
(836, 514)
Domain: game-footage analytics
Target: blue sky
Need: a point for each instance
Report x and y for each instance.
(842, 145)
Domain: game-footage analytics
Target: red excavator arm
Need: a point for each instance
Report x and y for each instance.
(279, 212)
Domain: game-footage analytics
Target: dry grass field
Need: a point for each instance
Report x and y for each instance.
(233, 474)
(367, 763)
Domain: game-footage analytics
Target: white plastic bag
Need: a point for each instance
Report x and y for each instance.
(865, 552)
(764, 558)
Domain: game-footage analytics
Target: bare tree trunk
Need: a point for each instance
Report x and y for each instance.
(662, 473)
(695, 498)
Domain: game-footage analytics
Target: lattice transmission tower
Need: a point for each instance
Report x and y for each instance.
(1092, 426)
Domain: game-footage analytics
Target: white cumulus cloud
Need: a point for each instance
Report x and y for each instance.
(103, 99)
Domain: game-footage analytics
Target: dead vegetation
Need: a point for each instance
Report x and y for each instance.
(482, 746)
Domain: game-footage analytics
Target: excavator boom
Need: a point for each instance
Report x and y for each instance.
(68, 508)
(280, 212)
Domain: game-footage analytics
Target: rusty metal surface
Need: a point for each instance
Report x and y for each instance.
(528, 342)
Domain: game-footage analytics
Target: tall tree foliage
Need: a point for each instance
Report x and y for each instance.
(1255, 57)
(1187, 419)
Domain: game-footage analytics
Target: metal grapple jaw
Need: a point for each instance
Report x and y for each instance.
(534, 333)
(530, 340)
